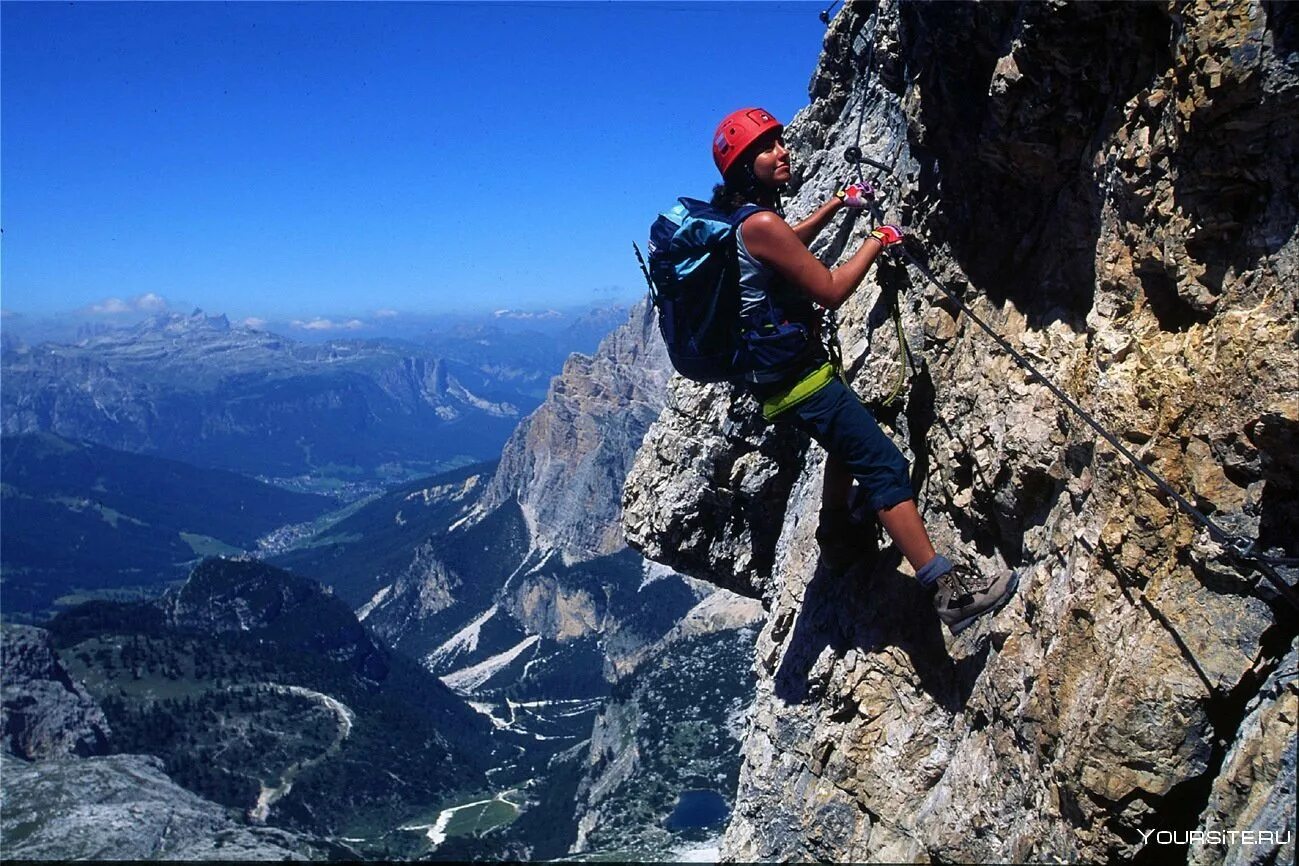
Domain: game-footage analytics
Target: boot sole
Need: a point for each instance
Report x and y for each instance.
(960, 626)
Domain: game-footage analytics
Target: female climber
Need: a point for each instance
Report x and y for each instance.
(802, 387)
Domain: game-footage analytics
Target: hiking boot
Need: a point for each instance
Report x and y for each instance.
(844, 542)
(961, 596)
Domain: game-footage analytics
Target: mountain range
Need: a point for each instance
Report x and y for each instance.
(260, 691)
(505, 583)
(332, 416)
(522, 597)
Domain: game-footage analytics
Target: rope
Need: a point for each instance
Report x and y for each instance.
(902, 355)
(853, 155)
(1238, 548)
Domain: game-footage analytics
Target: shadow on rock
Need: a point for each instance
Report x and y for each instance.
(872, 607)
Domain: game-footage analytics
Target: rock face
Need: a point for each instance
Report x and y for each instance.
(565, 463)
(45, 714)
(706, 493)
(1255, 793)
(1108, 186)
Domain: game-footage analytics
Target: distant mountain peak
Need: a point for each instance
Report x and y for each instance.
(527, 314)
(241, 595)
(177, 323)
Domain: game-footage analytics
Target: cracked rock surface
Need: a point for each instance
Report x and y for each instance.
(1110, 188)
(44, 713)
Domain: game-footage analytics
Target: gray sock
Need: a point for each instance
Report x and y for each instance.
(935, 568)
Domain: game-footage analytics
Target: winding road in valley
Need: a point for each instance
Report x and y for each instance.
(269, 796)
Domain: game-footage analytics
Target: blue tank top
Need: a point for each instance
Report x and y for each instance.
(766, 299)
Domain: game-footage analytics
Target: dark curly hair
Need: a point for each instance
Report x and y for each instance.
(740, 186)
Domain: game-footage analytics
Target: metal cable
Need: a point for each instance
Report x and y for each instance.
(1237, 548)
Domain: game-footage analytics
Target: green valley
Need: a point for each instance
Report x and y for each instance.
(82, 521)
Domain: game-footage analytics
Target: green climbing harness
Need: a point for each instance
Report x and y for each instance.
(805, 387)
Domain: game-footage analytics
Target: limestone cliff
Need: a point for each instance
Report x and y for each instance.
(1110, 186)
(565, 463)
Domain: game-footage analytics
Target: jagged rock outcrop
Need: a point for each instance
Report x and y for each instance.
(707, 490)
(1255, 792)
(44, 713)
(1109, 186)
(566, 462)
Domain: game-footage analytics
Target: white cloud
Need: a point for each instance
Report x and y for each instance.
(527, 314)
(151, 303)
(111, 306)
(385, 314)
(254, 323)
(323, 324)
(313, 325)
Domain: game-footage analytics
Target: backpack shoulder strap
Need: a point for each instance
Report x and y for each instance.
(747, 211)
(744, 213)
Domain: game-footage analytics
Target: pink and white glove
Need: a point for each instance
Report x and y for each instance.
(887, 235)
(857, 194)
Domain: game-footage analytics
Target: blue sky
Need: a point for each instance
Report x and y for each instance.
(299, 160)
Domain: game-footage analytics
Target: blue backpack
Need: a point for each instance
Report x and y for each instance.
(694, 284)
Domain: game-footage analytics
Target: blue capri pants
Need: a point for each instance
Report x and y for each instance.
(846, 429)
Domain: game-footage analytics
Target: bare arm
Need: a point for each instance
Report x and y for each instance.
(811, 227)
(775, 243)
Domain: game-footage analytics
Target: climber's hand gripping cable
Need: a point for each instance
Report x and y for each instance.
(887, 235)
(856, 194)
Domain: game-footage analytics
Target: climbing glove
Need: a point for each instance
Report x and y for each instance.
(857, 194)
(887, 235)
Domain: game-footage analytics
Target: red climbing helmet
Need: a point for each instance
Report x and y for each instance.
(739, 130)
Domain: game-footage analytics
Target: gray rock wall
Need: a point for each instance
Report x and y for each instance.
(45, 714)
(1110, 186)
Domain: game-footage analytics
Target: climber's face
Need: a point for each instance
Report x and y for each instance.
(771, 165)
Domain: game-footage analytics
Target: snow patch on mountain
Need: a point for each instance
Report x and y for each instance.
(653, 573)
